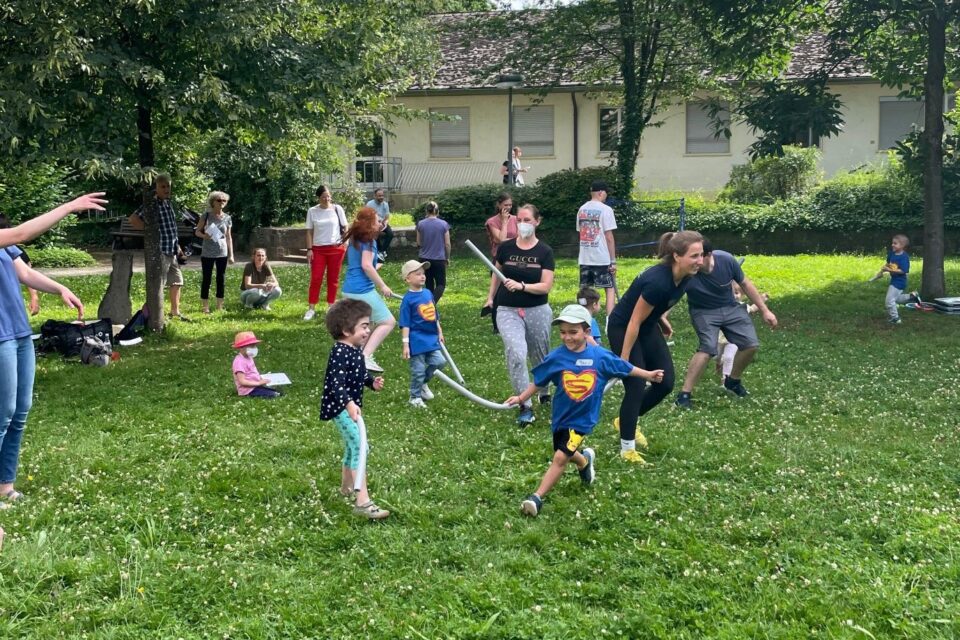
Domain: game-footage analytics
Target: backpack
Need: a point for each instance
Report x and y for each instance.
(66, 338)
(95, 352)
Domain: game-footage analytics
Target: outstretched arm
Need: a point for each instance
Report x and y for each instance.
(30, 229)
(757, 298)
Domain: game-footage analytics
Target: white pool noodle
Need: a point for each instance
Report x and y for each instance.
(469, 395)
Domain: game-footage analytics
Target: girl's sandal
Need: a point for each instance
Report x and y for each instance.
(371, 511)
(346, 493)
(11, 496)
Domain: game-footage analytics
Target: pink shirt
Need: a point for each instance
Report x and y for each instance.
(493, 228)
(243, 364)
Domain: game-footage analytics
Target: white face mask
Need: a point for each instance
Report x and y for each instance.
(525, 229)
(252, 352)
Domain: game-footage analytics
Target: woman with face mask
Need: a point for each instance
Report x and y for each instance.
(523, 313)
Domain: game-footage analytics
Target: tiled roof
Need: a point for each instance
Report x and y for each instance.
(465, 61)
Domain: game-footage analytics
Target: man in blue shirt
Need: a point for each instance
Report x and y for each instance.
(579, 371)
(382, 207)
(714, 308)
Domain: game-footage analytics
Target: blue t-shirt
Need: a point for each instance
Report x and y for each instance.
(356, 281)
(418, 313)
(13, 315)
(595, 330)
(432, 244)
(899, 280)
(658, 290)
(579, 378)
(712, 290)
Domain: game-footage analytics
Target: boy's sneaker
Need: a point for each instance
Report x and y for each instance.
(309, 315)
(915, 297)
(895, 321)
(526, 417)
(684, 400)
(417, 403)
(735, 387)
(531, 506)
(372, 365)
(632, 455)
(425, 393)
(587, 473)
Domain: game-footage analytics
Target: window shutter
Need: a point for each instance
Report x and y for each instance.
(450, 138)
(700, 137)
(533, 130)
(609, 128)
(897, 119)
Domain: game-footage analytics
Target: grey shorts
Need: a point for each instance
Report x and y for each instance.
(598, 276)
(170, 271)
(735, 323)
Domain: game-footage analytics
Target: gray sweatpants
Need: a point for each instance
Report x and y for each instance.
(894, 297)
(526, 334)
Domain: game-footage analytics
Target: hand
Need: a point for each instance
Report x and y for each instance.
(770, 319)
(488, 303)
(268, 287)
(512, 401)
(666, 328)
(231, 260)
(378, 383)
(512, 285)
(88, 201)
(353, 410)
(72, 302)
(264, 382)
(406, 351)
(309, 255)
(654, 376)
(34, 304)
(387, 293)
(442, 341)
(613, 267)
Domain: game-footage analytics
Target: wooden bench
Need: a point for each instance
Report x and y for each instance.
(185, 232)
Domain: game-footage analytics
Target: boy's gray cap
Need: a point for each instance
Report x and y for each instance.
(412, 265)
(573, 314)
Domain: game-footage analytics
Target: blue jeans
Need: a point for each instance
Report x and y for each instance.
(17, 365)
(422, 368)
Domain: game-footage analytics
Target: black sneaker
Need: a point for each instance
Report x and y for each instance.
(531, 506)
(915, 297)
(735, 387)
(684, 400)
(545, 398)
(587, 474)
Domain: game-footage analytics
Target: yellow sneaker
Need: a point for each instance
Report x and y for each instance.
(616, 424)
(639, 437)
(632, 455)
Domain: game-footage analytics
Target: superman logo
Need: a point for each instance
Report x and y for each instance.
(427, 311)
(578, 386)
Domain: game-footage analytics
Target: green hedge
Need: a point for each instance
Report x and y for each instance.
(59, 258)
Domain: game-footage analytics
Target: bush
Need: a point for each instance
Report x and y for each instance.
(27, 191)
(559, 195)
(771, 178)
(471, 206)
(59, 257)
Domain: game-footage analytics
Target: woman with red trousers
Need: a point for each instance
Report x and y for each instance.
(326, 224)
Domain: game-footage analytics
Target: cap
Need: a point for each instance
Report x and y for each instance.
(412, 265)
(598, 185)
(244, 339)
(573, 314)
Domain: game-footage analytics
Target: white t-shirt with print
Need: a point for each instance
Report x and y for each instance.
(593, 220)
(326, 224)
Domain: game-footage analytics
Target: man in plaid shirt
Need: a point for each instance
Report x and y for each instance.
(169, 245)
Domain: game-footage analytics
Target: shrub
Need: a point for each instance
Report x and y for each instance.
(59, 257)
(771, 178)
(27, 191)
(471, 206)
(559, 195)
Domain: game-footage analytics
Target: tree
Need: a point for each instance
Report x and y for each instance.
(100, 83)
(904, 42)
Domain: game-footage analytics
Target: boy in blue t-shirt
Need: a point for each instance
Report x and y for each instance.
(420, 332)
(898, 266)
(589, 299)
(579, 371)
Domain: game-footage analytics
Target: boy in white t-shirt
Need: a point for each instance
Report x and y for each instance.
(598, 254)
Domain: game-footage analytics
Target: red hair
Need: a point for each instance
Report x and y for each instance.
(365, 227)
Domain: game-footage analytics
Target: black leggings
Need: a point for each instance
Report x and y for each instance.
(436, 278)
(207, 264)
(649, 352)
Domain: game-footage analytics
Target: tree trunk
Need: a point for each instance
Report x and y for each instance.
(934, 284)
(151, 232)
(628, 146)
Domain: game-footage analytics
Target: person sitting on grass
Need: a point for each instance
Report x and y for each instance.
(348, 321)
(589, 299)
(420, 331)
(259, 286)
(245, 374)
(580, 372)
(898, 266)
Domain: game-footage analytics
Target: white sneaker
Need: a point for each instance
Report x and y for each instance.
(309, 314)
(372, 365)
(418, 403)
(425, 393)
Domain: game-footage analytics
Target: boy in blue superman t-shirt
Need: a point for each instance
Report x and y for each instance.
(579, 371)
(420, 332)
(898, 266)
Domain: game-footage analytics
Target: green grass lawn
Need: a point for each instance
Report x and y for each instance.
(159, 505)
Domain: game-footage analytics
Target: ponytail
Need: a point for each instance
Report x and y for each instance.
(676, 242)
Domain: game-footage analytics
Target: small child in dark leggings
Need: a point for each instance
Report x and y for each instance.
(245, 374)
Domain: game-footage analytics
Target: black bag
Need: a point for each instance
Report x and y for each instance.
(66, 338)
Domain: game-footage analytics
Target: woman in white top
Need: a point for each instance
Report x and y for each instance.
(326, 224)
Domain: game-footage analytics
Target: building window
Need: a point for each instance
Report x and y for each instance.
(450, 138)
(700, 132)
(533, 130)
(898, 117)
(611, 121)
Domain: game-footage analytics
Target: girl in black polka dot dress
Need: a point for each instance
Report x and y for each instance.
(349, 323)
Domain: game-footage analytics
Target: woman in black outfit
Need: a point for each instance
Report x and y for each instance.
(638, 329)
